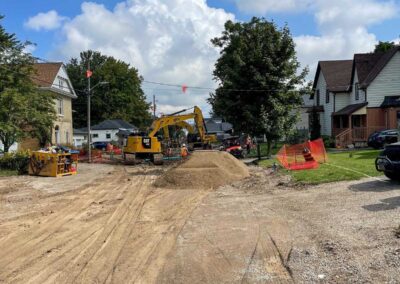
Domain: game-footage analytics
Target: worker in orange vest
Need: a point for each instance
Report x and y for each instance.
(184, 151)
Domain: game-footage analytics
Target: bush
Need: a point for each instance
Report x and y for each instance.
(329, 141)
(18, 161)
(298, 136)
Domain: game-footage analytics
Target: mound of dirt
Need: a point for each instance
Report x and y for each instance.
(203, 170)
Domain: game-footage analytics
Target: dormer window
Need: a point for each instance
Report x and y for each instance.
(64, 85)
(356, 91)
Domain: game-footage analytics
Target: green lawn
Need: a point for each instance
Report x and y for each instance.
(6, 173)
(340, 166)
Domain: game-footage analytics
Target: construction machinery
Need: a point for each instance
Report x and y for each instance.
(149, 146)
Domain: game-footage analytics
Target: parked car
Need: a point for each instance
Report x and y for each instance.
(100, 145)
(388, 161)
(379, 139)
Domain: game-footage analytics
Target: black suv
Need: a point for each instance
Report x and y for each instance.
(388, 161)
(379, 139)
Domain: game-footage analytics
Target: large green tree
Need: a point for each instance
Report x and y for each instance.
(258, 75)
(383, 46)
(121, 98)
(24, 110)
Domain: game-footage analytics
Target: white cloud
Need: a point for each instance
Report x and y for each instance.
(168, 41)
(268, 6)
(50, 20)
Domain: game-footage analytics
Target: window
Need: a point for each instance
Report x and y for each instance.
(317, 97)
(61, 84)
(356, 91)
(108, 136)
(327, 96)
(95, 135)
(60, 108)
(57, 134)
(64, 85)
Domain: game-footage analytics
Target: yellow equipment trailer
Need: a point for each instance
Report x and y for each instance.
(53, 164)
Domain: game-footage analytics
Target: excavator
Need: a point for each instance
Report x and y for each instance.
(150, 146)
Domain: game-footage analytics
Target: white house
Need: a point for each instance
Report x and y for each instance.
(359, 96)
(79, 137)
(105, 131)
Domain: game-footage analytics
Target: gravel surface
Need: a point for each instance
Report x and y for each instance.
(110, 224)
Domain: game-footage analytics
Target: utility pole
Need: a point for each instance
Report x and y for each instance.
(154, 106)
(88, 115)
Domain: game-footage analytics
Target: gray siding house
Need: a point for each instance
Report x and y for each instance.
(359, 96)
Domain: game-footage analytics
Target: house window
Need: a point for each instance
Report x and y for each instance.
(95, 135)
(356, 91)
(108, 136)
(317, 97)
(60, 106)
(57, 134)
(327, 96)
(63, 84)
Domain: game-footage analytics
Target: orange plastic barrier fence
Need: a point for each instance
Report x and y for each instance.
(307, 155)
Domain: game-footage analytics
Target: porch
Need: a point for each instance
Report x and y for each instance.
(351, 125)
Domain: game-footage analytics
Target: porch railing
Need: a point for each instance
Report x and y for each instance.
(355, 134)
(344, 138)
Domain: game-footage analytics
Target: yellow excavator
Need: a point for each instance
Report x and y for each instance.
(149, 146)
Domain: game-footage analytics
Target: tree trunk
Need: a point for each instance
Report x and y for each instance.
(6, 147)
(269, 148)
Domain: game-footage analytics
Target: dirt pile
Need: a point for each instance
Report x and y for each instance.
(204, 169)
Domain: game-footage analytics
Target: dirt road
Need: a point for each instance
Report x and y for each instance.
(110, 225)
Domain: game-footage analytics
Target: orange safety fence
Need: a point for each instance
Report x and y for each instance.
(307, 155)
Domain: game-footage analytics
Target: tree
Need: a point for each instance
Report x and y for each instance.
(384, 46)
(122, 98)
(24, 110)
(315, 125)
(257, 72)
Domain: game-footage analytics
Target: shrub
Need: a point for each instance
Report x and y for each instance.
(18, 161)
(329, 142)
(298, 136)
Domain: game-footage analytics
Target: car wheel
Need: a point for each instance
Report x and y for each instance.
(392, 176)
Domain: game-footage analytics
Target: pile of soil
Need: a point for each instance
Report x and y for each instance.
(204, 170)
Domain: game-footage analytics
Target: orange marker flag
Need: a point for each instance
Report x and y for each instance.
(89, 73)
(184, 88)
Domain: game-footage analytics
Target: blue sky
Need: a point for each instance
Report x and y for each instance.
(168, 41)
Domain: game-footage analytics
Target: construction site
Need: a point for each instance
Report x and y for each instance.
(209, 218)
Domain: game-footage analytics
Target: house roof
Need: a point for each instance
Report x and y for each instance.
(369, 65)
(80, 131)
(214, 127)
(391, 101)
(113, 124)
(45, 73)
(337, 74)
(350, 109)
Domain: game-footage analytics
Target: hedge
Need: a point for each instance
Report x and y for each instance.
(18, 161)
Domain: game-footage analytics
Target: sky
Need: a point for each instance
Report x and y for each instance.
(169, 41)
